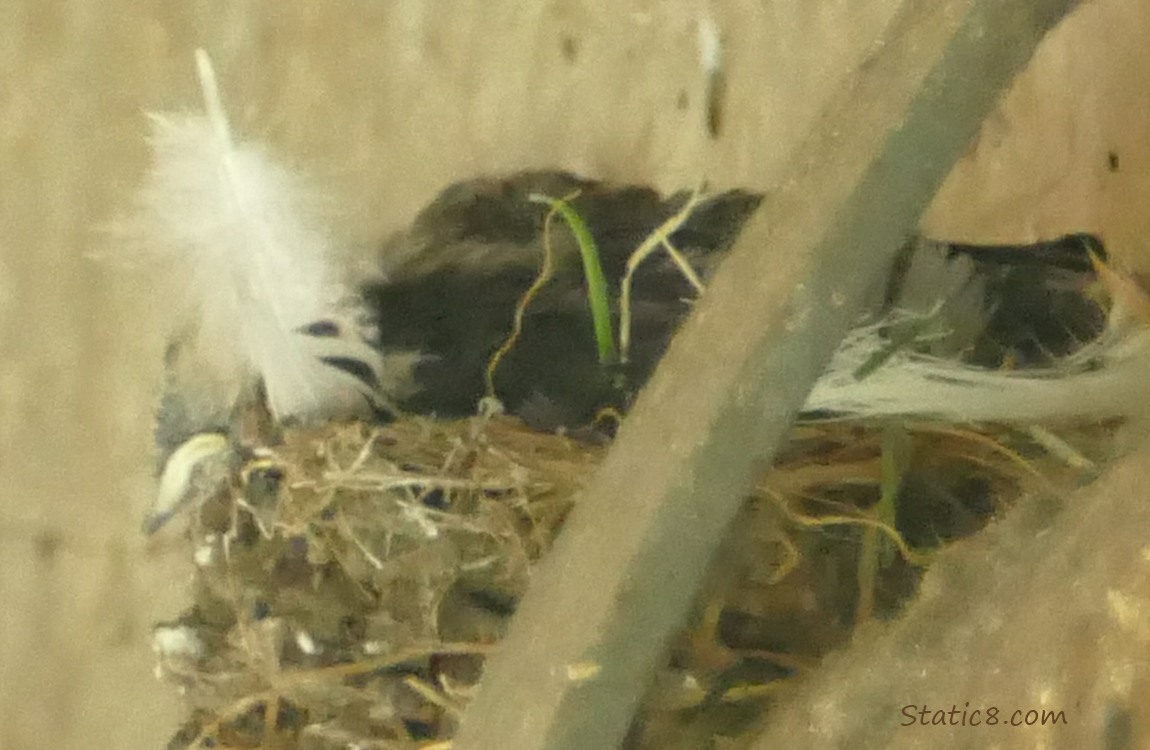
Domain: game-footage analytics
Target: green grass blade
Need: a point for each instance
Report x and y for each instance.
(597, 294)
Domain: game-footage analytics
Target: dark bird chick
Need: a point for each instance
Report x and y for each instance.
(455, 277)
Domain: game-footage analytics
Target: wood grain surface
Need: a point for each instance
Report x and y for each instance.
(383, 103)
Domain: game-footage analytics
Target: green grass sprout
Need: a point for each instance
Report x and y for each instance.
(597, 294)
(877, 552)
(906, 334)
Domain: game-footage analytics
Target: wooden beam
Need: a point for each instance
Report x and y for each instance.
(622, 577)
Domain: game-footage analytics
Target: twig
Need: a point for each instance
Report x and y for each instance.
(660, 237)
(545, 273)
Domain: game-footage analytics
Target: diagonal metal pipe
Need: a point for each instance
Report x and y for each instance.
(622, 576)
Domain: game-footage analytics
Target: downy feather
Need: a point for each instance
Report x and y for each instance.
(1104, 379)
(259, 298)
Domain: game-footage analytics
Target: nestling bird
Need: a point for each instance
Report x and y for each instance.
(455, 277)
(271, 334)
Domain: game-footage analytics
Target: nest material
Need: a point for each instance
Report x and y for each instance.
(350, 580)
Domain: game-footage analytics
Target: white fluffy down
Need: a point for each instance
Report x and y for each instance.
(252, 264)
(1105, 379)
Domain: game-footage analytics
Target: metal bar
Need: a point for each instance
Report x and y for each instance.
(622, 576)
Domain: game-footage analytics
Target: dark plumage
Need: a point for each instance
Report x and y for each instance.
(464, 264)
(456, 275)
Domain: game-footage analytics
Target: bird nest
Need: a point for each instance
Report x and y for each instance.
(350, 580)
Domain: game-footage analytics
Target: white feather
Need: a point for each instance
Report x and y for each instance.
(1105, 379)
(253, 265)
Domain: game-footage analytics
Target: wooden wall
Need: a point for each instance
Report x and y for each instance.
(384, 102)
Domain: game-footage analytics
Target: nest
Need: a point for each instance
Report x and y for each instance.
(351, 579)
